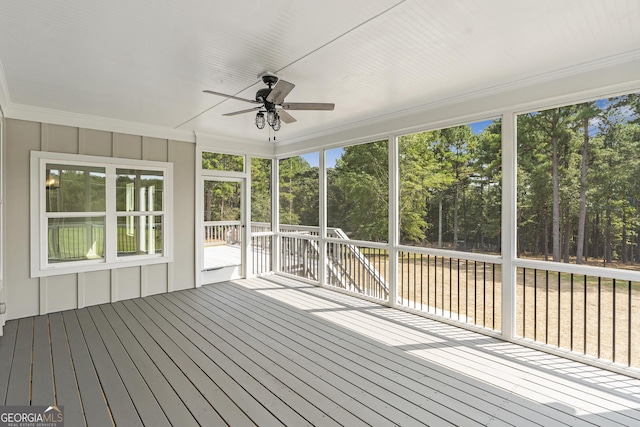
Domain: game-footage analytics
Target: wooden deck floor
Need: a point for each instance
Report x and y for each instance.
(273, 351)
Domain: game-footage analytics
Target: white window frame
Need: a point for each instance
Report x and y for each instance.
(40, 266)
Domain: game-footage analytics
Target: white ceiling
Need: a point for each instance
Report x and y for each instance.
(148, 61)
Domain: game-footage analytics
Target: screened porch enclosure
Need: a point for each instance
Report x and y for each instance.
(516, 226)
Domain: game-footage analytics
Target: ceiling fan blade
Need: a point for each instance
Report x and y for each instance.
(231, 96)
(308, 106)
(285, 117)
(280, 91)
(235, 113)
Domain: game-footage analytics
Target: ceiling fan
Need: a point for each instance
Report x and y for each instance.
(271, 103)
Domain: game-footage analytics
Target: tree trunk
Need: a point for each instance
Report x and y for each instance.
(624, 238)
(583, 193)
(207, 204)
(546, 239)
(567, 238)
(455, 217)
(607, 238)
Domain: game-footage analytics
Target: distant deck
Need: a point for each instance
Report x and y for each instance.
(274, 351)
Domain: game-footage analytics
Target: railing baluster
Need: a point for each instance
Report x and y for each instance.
(524, 302)
(429, 283)
(571, 316)
(421, 288)
(535, 304)
(629, 327)
(559, 322)
(484, 294)
(613, 326)
(493, 303)
(475, 292)
(466, 290)
(599, 318)
(414, 280)
(584, 317)
(546, 326)
(458, 283)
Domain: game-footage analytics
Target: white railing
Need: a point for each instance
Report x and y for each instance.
(222, 232)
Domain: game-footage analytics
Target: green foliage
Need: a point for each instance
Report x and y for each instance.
(222, 162)
(260, 190)
(359, 189)
(299, 192)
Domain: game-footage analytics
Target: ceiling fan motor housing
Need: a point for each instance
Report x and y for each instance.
(261, 96)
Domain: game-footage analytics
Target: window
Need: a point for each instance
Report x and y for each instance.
(222, 162)
(91, 213)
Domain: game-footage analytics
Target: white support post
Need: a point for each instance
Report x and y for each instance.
(275, 215)
(245, 228)
(322, 219)
(509, 224)
(394, 219)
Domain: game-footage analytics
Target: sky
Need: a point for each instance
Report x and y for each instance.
(334, 154)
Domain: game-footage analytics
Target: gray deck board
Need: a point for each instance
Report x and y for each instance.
(197, 405)
(284, 400)
(167, 397)
(275, 351)
(120, 404)
(217, 365)
(42, 391)
(64, 374)
(147, 406)
(198, 375)
(7, 346)
(367, 393)
(445, 381)
(19, 391)
(403, 400)
(95, 407)
(231, 340)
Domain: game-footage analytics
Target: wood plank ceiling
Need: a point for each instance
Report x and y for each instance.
(147, 62)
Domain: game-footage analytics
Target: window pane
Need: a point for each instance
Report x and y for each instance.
(222, 162)
(450, 188)
(260, 194)
(139, 190)
(139, 235)
(358, 191)
(578, 192)
(75, 188)
(299, 193)
(75, 239)
(222, 201)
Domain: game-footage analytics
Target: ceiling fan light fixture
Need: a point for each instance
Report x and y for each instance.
(276, 125)
(271, 117)
(260, 120)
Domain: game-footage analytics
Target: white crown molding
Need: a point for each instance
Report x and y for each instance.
(513, 87)
(230, 145)
(44, 115)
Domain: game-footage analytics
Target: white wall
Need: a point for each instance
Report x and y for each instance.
(26, 296)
